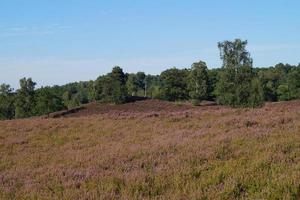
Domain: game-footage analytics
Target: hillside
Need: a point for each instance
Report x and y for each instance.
(137, 107)
(154, 150)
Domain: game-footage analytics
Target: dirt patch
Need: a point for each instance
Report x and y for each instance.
(145, 106)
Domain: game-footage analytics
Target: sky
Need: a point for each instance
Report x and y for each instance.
(61, 41)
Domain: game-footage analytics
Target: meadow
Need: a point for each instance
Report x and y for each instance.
(154, 150)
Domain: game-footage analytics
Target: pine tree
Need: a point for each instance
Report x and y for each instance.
(117, 79)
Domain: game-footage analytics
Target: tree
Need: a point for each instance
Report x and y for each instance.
(132, 84)
(104, 88)
(174, 84)
(25, 99)
(270, 81)
(243, 83)
(213, 80)
(141, 82)
(66, 97)
(118, 82)
(257, 96)
(282, 70)
(283, 92)
(77, 99)
(72, 100)
(235, 81)
(152, 86)
(112, 87)
(91, 91)
(280, 82)
(198, 81)
(47, 101)
(6, 102)
(293, 82)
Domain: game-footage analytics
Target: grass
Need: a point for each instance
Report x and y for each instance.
(190, 153)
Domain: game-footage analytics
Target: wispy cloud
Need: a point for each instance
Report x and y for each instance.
(33, 30)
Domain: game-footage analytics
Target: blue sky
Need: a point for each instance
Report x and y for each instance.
(60, 41)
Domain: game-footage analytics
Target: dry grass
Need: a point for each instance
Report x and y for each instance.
(154, 150)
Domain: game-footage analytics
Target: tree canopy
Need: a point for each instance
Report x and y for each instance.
(198, 82)
(236, 83)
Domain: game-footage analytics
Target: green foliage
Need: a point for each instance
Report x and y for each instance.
(244, 77)
(283, 93)
(153, 85)
(118, 83)
(47, 101)
(198, 81)
(293, 82)
(25, 99)
(235, 80)
(7, 109)
(72, 100)
(104, 88)
(237, 84)
(257, 95)
(132, 84)
(75, 94)
(112, 87)
(213, 77)
(136, 84)
(174, 84)
(271, 78)
(141, 80)
(281, 82)
(91, 92)
(270, 81)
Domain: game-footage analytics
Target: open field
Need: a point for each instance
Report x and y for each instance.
(154, 150)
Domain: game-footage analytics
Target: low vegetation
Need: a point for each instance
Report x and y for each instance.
(154, 150)
(197, 133)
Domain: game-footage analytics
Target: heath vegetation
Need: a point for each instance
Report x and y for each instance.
(154, 150)
(194, 133)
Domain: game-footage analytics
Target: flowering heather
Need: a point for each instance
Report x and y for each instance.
(154, 150)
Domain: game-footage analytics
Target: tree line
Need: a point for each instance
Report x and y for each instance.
(236, 84)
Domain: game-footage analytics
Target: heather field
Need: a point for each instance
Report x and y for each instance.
(154, 150)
